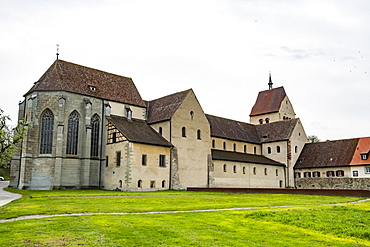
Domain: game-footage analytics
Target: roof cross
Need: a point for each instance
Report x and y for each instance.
(57, 51)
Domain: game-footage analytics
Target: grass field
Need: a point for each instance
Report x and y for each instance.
(311, 225)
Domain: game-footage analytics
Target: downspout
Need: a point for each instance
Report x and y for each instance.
(101, 142)
(170, 178)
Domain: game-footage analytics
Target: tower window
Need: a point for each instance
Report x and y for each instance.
(162, 160)
(267, 120)
(160, 130)
(213, 143)
(191, 115)
(224, 145)
(278, 149)
(260, 121)
(224, 168)
(234, 169)
(269, 150)
(118, 158)
(234, 147)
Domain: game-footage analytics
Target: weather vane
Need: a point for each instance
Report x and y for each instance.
(57, 51)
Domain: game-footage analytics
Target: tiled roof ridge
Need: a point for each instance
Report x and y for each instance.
(228, 119)
(169, 95)
(90, 68)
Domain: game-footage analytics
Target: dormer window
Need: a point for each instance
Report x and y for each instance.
(92, 88)
(365, 156)
(128, 113)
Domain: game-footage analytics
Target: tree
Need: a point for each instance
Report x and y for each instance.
(313, 139)
(10, 138)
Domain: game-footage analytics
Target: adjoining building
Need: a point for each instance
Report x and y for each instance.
(340, 164)
(92, 129)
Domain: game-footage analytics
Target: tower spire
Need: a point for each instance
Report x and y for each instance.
(270, 82)
(57, 52)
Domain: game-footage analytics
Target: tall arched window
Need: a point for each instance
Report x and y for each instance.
(268, 150)
(278, 149)
(213, 143)
(72, 134)
(183, 132)
(139, 183)
(47, 128)
(95, 124)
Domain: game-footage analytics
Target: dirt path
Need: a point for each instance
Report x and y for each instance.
(27, 217)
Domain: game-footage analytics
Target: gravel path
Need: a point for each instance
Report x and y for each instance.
(27, 217)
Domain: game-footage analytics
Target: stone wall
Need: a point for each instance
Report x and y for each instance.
(333, 183)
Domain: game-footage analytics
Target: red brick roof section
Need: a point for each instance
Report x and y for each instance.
(327, 154)
(232, 130)
(276, 131)
(138, 131)
(268, 101)
(163, 108)
(243, 157)
(363, 147)
(70, 77)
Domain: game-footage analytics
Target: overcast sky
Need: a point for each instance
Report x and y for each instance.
(222, 49)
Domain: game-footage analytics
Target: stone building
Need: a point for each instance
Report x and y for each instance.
(91, 129)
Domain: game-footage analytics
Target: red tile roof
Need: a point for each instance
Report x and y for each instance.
(138, 131)
(163, 108)
(268, 101)
(70, 77)
(363, 147)
(327, 154)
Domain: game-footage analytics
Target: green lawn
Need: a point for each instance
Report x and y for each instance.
(342, 225)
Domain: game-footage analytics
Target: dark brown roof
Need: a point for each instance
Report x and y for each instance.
(232, 130)
(163, 108)
(243, 157)
(70, 77)
(268, 101)
(138, 131)
(327, 154)
(276, 131)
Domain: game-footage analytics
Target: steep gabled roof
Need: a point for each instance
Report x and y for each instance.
(138, 131)
(70, 77)
(163, 108)
(327, 154)
(363, 147)
(268, 101)
(276, 131)
(243, 157)
(232, 130)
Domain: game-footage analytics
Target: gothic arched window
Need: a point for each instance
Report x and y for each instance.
(95, 124)
(72, 134)
(47, 128)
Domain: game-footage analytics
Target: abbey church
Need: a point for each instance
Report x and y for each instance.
(92, 129)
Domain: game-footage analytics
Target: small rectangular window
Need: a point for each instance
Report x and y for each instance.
(316, 174)
(330, 173)
(339, 173)
(355, 173)
(143, 159)
(297, 174)
(367, 169)
(162, 160)
(118, 158)
(152, 184)
(307, 174)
